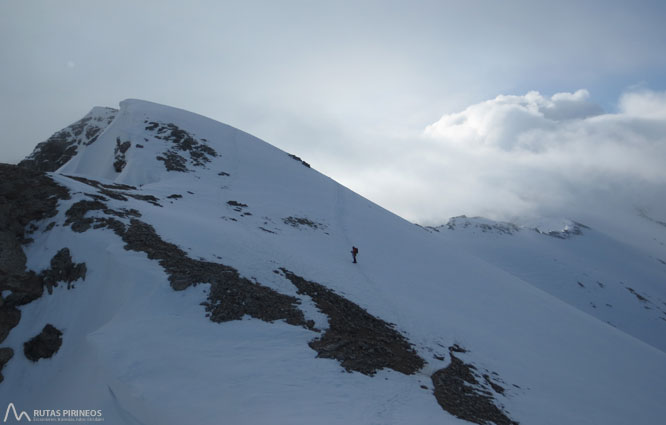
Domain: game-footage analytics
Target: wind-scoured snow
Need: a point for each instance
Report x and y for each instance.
(146, 354)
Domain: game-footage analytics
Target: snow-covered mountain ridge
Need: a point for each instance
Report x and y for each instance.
(177, 217)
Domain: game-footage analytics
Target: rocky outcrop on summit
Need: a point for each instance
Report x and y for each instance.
(63, 145)
(182, 142)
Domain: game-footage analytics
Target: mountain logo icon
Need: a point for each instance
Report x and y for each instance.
(17, 416)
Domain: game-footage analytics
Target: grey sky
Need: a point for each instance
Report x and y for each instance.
(347, 85)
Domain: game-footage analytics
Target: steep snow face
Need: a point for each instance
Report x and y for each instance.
(143, 353)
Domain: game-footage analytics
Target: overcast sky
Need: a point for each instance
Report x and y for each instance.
(429, 108)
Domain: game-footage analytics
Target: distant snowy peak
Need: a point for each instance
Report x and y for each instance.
(66, 143)
(561, 229)
(479, 224)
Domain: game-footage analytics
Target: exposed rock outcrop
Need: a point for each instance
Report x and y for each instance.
(358, 340)
(43, 345)
(63, 270)
(181, 143)
(231, 295)
(119, 155)
(26, 196)
(459, 392)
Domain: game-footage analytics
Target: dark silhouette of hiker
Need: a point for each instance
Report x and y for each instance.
(354, 252)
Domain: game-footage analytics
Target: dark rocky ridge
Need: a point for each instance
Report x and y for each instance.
(459, 392)
(26, 196)
(63, 145)
(43, 345)
(296, 158)
(231, 295)
(359, 341)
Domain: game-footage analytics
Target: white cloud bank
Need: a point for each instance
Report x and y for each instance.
(522, 157)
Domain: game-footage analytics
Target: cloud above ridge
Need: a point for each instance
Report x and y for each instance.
(513, 122)
(525, 156)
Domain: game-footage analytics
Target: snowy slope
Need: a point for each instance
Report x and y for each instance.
(144, 353)
(593, 271)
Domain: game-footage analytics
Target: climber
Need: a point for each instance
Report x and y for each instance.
(354, 252)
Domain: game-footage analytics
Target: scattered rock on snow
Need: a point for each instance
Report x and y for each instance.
(638, 296)
(181, 142)
(63, 270)
(302, 221)
(44, 345)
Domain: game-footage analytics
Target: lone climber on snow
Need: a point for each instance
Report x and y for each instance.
(354, 252)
